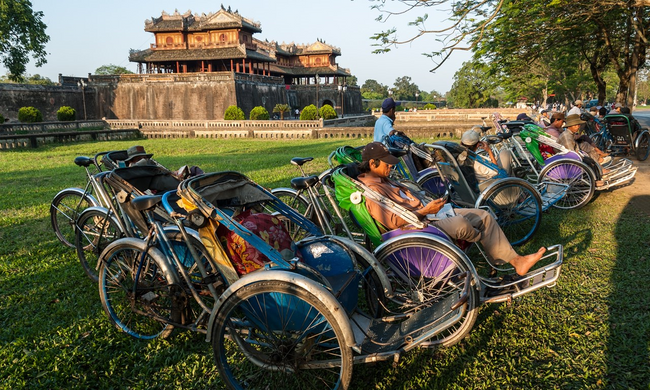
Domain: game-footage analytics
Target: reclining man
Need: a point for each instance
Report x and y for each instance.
(468, 224)
(572, 140)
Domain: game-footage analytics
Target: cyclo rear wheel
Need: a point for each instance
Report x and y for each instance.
(95, 229)
(64, 211)
(270, 334)
(135, 293)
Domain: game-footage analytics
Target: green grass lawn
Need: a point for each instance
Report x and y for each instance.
(590, 331)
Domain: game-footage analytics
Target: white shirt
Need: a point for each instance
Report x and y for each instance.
(574, 110)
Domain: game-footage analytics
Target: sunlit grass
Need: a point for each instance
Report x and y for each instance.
(590, 331)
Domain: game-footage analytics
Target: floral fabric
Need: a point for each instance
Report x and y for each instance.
(245, 257)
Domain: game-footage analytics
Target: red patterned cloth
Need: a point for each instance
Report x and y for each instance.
(246, 258)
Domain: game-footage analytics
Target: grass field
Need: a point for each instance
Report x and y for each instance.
(590, 331)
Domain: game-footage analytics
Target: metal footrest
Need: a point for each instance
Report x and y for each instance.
(551, 193)
(617, 177)
(496, 290)
(382, 338)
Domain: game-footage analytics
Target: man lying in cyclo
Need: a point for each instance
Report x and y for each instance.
(470, 225)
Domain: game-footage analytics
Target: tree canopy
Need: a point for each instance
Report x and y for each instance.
(567, 45)
(112, 69)
(22, 34)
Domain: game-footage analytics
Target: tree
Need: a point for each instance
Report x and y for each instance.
(22, 34)
(404, 89)
(352, 81)
(373, 90)
(282, 109)
(472, 87)
(36, 79)
(112, 69)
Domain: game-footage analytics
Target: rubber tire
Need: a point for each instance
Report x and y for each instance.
(581, 190)
(192, 310)
(302, 205)
(641, 146)
(117, 274)
(64, 211)
(91, 238)
(401, 287)
(517, 230)
(233, 354)
(433, 184)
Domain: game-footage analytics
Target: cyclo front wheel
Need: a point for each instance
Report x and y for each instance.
(135, 292)
(422, 272)
(64, 210)
(273, 335)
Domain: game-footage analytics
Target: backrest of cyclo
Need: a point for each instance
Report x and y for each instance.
(344, 188)
(330, 259)
(460, 177)
(408, 260)
(619, 127)
(144, 180)
(115, 159)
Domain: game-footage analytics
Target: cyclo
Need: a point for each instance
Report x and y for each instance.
(301, 320)
(582, 174)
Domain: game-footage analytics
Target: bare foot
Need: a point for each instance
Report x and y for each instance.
(523, 263)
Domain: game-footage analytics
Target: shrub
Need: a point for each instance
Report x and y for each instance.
(259, 113)
(429, 106)
(309, 113)
(327, 112)
(29, 115)
(2, 119)
(234, 113)
(66, 113)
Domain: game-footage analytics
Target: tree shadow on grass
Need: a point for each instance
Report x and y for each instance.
(629, 301)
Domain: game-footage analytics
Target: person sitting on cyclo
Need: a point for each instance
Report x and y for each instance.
(572, 140)
(484, 174)
(137, 157)
(470, 225)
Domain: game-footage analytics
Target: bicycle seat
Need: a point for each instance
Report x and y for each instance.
(83, 161)
(301, 183)
(300, 160)
(485, 128)
(494, 139)
(504, 135)
(397, 152)
(145, 202)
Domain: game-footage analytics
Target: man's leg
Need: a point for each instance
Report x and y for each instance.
(494, 242)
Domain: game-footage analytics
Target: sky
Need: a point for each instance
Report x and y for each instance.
(86, 34)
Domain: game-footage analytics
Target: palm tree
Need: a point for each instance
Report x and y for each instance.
(281, 108)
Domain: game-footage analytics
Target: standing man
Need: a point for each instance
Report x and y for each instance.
(384, 124)
(576, 109)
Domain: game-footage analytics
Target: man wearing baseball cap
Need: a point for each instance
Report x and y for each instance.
(384, 124)
(471, 225)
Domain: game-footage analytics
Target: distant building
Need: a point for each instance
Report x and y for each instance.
(224, 41)
(201, 64)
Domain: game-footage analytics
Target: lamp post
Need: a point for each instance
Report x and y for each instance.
(317, 81)
(82, 84)
(416, 97)
(342, 89)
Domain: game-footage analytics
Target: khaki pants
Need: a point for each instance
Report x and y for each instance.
(478, 225)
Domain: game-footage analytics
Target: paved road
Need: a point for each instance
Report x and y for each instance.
(639, 191)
